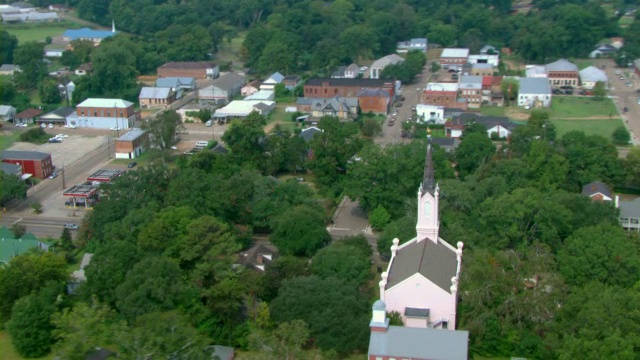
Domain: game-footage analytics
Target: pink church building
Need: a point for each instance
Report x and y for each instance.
(421, 284)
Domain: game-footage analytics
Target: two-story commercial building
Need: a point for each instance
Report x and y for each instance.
(562, 73)
(105, 114)
(328, 88)
(132, 144)
(35, 163)
(442, 94)
(453, 58)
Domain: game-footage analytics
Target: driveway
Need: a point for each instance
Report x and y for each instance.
(350, 220)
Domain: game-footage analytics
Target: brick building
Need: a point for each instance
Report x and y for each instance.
(132, 144)
(562, 73)
(452, 58)
(328, 88)
(443, 94)
(106, 114)
(194, 69)
(38, 164)
(376, 101)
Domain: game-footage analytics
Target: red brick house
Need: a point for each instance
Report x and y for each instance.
(28, 116)
(194, 69)
(453, 58)
(38, 164)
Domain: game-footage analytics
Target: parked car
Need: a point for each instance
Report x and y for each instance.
(55, 140)
(209, 123)
(71, 226)
(53, 175)
(398, 104)
(62, 136)
(43, 125)
(299, 179)
(21, 125)
(132, 164)
(113, 128)
(70, 126)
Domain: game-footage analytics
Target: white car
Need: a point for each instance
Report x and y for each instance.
(62, 136)
(21, 125)
(43, 125)
(50, 126)
(113, 128)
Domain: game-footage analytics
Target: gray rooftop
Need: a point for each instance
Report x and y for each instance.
(387, 60)
(594, 74)
(534, 86)
(630, 209)
(62, 112)
(24, 155)
(275, 77)
(11, 169)
(372, 92)
(436, 262)
(420, 343)
(132, 135)
(229, 81)
(174, 82)
(155, 92)
(561, 65)
(308, 133)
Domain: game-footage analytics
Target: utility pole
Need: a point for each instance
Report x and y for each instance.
(63, 179)
(115, 113)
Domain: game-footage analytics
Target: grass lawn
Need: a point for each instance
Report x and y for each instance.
(39, 32)
(7, 140)
(604, 127)
(493, 110)
(566, 107)
(7, 352)
(583, 63)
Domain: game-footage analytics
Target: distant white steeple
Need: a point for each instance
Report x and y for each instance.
(113, 26)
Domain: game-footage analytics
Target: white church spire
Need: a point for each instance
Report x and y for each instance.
(113, 26)
(428, 195)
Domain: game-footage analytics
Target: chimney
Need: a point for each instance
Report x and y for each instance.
(379, 321)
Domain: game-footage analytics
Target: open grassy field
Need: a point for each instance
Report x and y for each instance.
(566, 107)
(38, 32)
(604, 127)
(493, 111)
(7, 139)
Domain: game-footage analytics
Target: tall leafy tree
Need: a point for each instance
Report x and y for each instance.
(162, 129)
(8, 44)
(300, 231)
(28, 273)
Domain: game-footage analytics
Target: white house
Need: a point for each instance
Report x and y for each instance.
(534, 92)
(376, 68)
(430, 113)
(223, 88)
(241, 108)
(271, 82)
(591, 75)
(419, 44)
(421, 282)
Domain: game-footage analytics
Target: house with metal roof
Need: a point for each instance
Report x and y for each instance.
(28, 116)
(269, 95)
(454, 58)
(177, 84)
(375, 70)
(271, 82)
(421, 281)
(223, 89)
(11, 169)
(32, 16)
(403, 342)
(534, 92)
(591, 75)
(156, 97)
(87, 34)
(7, 112)
(251, 88)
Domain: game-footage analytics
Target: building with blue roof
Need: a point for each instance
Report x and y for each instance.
(88, 34)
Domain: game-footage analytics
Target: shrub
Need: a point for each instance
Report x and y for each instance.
(35, 135)
(621, 136)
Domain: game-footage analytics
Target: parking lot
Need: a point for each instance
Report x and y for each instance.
(67, 152)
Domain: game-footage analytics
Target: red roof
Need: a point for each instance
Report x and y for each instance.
(29, 113)
(497, 80)
(487, 81)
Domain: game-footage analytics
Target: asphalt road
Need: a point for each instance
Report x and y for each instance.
(40, 227)
(624, 96)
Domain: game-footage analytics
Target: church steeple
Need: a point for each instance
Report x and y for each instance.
(428, 180)
(113, 26)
